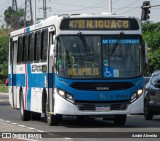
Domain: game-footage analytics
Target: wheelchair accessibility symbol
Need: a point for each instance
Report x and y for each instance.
(108, 72)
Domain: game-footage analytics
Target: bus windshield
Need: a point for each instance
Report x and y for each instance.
(83, 56)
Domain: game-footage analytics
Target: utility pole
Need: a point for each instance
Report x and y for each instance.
(14, 5)
(28, 19)
(14, 23)
(110, 6)
(44, 8)
(35, 10)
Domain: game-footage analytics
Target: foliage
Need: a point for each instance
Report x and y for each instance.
(13, 18)
(151, 35)
(3, 88)
(4, 54)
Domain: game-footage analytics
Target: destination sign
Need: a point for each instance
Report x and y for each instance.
(83, 71)
(99, 24)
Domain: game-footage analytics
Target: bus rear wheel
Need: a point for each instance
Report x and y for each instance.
(120, 120)
(25, 115)
(36, 116)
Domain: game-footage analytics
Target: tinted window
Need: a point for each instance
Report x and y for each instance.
(26, 43)
(37, 46)
(31, 47)
(11, 46)
(44, 45)
(20, 50)
(155, 80)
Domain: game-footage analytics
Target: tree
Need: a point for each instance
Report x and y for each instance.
(14, 19)
(4, 55)
(151, 35)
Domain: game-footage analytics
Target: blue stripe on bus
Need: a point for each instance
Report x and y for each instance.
(29, 87)
(50, 80)
(35, 80)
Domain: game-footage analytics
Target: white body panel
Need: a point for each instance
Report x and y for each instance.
(137, 106)
(36, 100)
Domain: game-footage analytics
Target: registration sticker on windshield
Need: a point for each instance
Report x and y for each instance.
(116, 73)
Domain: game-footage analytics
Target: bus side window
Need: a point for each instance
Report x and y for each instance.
(11, 52)
(44, 45)
(37, 46)
(26, 48)
(51, 38)
(31, 47)
(20, 50)
(23, 48)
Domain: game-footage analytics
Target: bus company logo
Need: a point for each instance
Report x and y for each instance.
(102, 96)
(6, 135)
(102, 88)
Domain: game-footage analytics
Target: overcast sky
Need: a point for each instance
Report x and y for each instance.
(124, 7)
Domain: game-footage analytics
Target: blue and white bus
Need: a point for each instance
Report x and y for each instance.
(77, 65)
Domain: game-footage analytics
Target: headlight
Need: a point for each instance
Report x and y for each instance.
(136, 95)
(139, 92)
(65, 95)
(133, 97)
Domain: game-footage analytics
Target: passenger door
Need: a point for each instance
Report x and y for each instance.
(12, 72)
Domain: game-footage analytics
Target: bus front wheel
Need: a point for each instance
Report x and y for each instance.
(25, 115)
(52, 119)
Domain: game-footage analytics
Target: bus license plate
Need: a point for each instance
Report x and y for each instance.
(102, 108)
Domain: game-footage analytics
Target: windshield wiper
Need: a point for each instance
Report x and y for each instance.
(84, 41)
(116, 45)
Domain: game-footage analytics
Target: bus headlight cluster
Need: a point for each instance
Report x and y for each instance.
(136, 95)
(65, 95)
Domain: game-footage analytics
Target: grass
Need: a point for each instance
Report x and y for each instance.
(3, 88)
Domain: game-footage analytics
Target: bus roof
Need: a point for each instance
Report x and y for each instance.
(56, 19)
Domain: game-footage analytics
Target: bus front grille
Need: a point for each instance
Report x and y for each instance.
(109, 106)
(109, 86)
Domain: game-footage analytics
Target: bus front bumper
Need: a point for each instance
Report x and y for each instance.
(64, 107)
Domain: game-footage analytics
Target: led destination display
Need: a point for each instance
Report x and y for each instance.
(99, 24)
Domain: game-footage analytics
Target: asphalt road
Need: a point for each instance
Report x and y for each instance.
(72, 129)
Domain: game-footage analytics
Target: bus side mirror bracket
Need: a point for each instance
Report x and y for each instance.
(145, 53)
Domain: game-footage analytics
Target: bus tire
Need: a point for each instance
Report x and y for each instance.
(45, 106)
(148, 115)
(25, 115)
(52, 120)
(36, 116)
(120, 120)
